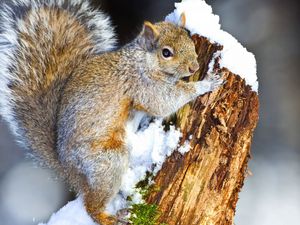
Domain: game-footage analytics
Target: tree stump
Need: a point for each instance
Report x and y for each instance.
(202, 186)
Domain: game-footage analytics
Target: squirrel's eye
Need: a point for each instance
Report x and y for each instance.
(167, 53)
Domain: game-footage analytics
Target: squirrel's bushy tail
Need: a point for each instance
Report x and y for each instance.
(41, 42)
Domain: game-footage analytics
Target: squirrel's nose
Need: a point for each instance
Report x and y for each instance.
(193, 68)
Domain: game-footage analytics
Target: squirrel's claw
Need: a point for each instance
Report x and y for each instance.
(215, 80)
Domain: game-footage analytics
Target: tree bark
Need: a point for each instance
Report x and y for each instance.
(202, 186)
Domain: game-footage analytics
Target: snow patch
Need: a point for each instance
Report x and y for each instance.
(73, 213)
(186, 147)
(149, 146)
(201, 20)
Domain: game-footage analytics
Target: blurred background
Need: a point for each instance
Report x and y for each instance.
(271, 196)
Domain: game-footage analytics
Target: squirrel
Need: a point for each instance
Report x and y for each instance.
(67, 91)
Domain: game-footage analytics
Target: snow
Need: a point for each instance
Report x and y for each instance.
(149, 146)
(184, 148)
(73, 213)
(201, 20)
(148, 142)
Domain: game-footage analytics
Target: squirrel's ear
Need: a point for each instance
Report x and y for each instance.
(182, 20)
(149, 35)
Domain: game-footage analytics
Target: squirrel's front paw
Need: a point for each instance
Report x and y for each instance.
(215, 80)
(210, 83)
(122, 217)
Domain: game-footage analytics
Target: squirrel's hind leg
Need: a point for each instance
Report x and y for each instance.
(95, 201)
(102, 170)
(103, 181)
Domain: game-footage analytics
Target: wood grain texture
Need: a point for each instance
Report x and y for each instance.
(202, 186)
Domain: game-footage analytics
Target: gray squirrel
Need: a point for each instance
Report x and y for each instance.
(67, 92)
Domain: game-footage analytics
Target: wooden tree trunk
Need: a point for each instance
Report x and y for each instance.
(202, 186)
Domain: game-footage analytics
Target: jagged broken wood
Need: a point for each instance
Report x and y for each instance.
(202, 186)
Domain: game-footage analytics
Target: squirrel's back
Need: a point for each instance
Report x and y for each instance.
(41, 43)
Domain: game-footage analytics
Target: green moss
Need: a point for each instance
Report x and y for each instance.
(145, 183)
(145, 214)
(146, 187)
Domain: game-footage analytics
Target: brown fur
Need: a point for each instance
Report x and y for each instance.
(115, 136)
(58, 59)
(113, 142)
(94, 206)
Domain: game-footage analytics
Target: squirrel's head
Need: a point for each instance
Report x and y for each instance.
(170, 47)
